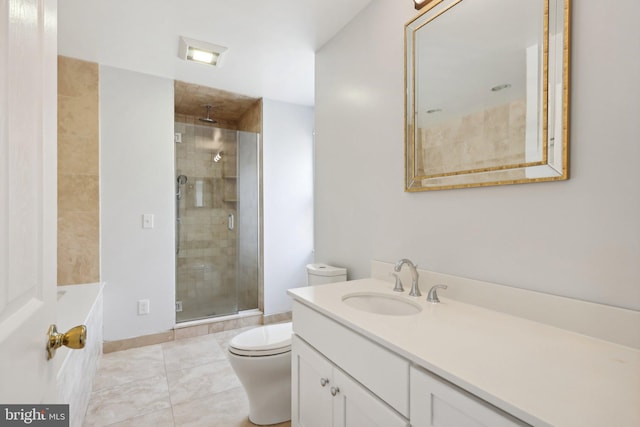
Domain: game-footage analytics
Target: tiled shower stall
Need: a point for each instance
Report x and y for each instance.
(217, 220)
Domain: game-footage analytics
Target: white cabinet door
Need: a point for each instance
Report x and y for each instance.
(324, 396)
(376, 367)
(436, 403)
(311, 378)
(355, 406)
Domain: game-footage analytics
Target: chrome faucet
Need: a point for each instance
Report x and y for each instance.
(433, 293)
(398, 286)
(415, 290)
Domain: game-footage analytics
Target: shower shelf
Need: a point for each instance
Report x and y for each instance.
(230, 177)
(230, 200)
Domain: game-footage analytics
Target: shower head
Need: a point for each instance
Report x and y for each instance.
(208, 119)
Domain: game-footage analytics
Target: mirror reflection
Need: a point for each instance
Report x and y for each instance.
(481, 102)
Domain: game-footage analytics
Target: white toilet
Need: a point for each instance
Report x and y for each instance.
(261, 357)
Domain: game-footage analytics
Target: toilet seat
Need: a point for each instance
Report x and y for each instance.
(266, 340)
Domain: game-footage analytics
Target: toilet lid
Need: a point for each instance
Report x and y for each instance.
(263, 341)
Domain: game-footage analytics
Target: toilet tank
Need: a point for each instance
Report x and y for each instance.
(320, 274)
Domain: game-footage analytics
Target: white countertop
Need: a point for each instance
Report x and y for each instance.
(541, 374)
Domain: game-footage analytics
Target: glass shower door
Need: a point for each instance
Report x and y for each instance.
(248, 211)
(215, 255)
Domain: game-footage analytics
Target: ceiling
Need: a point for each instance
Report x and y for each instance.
(271, 43)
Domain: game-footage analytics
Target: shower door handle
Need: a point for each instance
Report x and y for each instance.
(231, 222)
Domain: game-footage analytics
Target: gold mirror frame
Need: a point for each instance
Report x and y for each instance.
(553, 107)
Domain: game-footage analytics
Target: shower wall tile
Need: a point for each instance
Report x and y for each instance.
(484, 139)
(227, 107)
(251, 120)
(78, 172)
(206, 263)
(206, 260)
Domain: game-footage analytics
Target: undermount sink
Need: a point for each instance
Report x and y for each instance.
(388, 305)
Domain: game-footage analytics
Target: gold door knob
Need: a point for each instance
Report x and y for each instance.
(73, 338)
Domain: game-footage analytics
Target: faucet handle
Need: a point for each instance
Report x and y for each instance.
(432, 296)
(398, 286)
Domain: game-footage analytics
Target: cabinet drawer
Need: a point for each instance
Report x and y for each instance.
(383, 372)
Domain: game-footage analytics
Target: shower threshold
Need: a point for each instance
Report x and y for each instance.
(240, 315)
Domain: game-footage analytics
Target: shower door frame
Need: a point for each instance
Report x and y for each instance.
(222, 181)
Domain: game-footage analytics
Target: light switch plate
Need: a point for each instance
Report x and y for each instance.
(147, 220)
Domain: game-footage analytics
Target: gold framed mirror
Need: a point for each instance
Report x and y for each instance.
(486, 93)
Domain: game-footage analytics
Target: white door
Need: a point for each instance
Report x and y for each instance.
(28, 198)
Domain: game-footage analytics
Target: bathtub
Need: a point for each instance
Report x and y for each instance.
(78, 305)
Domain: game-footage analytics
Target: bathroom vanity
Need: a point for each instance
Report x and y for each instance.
(448, 364)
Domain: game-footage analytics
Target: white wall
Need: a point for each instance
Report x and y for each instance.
(271, 43)
(287, 200)
(579, 238)
(137, 172)
(136, 177)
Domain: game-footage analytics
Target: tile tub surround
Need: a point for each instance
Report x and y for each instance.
(77, 367)
(188, 382)
(78, 172)
(541, 374)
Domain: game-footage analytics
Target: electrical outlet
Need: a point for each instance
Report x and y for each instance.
(178, 306)
(143, 307)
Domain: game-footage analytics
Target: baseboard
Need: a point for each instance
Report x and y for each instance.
(198, 328)
(277, 318)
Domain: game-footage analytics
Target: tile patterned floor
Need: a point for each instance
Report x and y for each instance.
(182, 383)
